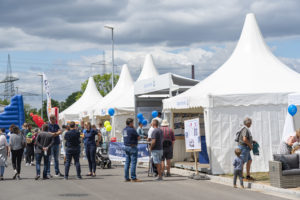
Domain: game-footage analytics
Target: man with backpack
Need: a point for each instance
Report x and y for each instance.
(245, 143)
(168, 145)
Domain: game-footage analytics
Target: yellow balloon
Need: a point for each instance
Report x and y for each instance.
(106, 123)
(108, 127)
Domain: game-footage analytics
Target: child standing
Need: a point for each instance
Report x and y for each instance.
(238, 166)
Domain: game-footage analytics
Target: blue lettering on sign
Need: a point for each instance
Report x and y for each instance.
(181, 103)
(116, 149)
(148, 85)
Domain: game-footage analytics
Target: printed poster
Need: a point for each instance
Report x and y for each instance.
(192, 135)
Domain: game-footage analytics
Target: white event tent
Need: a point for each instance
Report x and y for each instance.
(121, 98)
(251, 83)
(90, 97)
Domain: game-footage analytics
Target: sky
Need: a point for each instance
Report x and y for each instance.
(66, 39)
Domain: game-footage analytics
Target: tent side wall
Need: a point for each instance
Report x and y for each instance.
(222, 124)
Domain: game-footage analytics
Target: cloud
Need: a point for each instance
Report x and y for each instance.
(78, 25)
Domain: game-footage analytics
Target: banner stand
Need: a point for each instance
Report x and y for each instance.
(193, 144)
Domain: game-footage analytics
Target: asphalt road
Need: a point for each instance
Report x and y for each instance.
(109, 185)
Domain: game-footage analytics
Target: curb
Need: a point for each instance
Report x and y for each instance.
(249, 185)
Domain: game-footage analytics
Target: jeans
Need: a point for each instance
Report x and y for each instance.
(238, 173)
(90, 152)
(29, 153)
(38, 158)
(75, 153)
(55, 154)
(245, 155)
(131, 159)
(16, 159)
(2, 169)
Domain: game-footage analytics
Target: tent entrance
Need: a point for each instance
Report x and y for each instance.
(177, 118)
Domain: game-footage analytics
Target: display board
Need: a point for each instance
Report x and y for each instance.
(192, 135)
(179, 119)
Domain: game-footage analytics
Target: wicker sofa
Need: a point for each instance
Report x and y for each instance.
(284, 171)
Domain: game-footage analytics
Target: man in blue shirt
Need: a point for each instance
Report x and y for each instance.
(131, 138)
(72, 138)
(55, 131)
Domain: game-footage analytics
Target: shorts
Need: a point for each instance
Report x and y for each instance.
(167, 154)
(245, 155)
(157, 156)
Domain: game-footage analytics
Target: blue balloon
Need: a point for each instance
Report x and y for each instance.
(144, 122)
(140, 116)
(292, 109)
(154, 113)
(111, 111)
(141, 119)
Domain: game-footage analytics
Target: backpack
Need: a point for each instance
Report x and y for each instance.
(238, 134)
(167, 143)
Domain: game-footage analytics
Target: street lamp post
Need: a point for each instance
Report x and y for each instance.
(41, 75)
(112, 53)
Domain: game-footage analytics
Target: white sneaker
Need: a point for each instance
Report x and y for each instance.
(27, 164)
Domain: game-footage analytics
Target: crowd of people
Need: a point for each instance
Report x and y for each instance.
(45, 144)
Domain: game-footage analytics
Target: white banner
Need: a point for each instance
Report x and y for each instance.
(47, 90)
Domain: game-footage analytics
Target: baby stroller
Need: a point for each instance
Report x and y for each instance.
(102, 158)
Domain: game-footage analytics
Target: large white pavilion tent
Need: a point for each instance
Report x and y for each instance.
(90, 97)
(251, 83)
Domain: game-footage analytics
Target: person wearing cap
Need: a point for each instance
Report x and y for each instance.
(168, 145)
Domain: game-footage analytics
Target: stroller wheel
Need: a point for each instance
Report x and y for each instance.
(109, 164)
(102, 165)
(98, 161)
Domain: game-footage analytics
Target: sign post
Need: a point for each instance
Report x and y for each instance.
(193, 142)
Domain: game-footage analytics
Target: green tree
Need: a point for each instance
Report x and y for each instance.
(27, 110)
(69, 100)
(103, 83)
(4, 102)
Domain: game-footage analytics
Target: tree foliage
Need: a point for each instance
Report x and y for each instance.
(27, 110)
(69, 100)
(4, 102)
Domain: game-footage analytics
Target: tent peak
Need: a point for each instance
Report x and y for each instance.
(251, 39)
(149, 70)
(125, 77)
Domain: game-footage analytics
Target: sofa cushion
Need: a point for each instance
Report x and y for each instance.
(282, 159)
(292, 160)
(291, 172)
